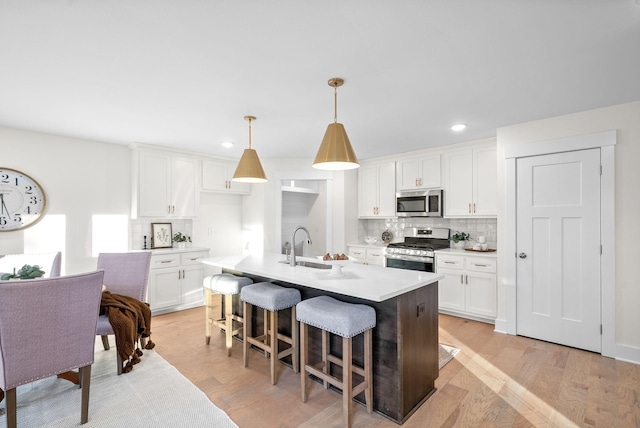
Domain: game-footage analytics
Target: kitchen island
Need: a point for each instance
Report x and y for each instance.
(405, 339)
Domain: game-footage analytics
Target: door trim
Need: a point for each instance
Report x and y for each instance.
(606, 142)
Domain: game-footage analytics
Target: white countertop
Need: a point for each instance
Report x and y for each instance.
(175, 250)
(370, 282)
(492, 254)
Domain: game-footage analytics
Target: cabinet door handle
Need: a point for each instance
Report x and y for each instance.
(469, 207)
(474, 207)
(168, 209)
(461, 279)
(466, 279)
(179, 274)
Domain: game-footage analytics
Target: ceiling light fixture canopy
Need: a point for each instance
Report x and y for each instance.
(249, 169)
(335, 152)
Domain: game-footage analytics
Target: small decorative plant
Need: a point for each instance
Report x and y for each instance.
(460, 236)
(179, 237)
(25, 272)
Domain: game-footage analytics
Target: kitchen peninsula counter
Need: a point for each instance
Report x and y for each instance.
(405, 339)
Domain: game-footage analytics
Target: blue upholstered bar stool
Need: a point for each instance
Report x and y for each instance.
(228, 285)
(347, 320)
(272, 298)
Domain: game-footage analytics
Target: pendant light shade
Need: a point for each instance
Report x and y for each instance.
(335, 152)
(249, 169)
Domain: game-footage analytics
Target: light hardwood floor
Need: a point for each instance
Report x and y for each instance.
(495, 380)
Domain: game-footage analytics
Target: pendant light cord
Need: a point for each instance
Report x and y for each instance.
(250, 133)
(335, 104)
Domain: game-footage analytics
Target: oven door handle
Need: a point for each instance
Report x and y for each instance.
(410, 258)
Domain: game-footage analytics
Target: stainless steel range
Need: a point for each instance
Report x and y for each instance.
(417, 250)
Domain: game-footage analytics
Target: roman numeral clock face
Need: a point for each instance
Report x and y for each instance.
(22, 200)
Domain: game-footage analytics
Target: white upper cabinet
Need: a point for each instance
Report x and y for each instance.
(377, 190)
(217, 174)
(420, 173)
(470, 182)
(166, 185)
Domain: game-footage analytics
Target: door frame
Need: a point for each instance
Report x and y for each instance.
(315, 175)
(605, 141)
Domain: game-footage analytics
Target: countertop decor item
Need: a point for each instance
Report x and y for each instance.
(386, 236)
(22, 200)
(488, 250)
(161, 235)
(335, 152)
(181, 239)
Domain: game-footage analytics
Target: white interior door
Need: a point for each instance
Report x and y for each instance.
(558, 245)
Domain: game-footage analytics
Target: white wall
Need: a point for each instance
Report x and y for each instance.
(80, 178)
(625, 119)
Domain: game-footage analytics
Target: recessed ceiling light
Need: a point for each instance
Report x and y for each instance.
(458, 127)
(227, 144)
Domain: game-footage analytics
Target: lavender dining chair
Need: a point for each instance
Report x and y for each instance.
(126, 274)
(47, 327)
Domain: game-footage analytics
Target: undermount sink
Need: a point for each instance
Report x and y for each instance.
(308, 264)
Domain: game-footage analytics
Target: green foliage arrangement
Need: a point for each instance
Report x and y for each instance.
(460, 236)
(179, 237)
(25, 272)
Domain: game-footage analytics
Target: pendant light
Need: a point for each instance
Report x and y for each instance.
(335, 152)
(249, 169)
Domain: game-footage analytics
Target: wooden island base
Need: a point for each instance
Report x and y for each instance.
(405, 346)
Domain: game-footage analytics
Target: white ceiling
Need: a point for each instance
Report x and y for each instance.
(184, 73)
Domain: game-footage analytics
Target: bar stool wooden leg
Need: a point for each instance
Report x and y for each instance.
(228, 319)
(274, 344)
(265, 332)
(304, 357)
(208, 318)
(368, 369)
(295, 356)
(347, 384)
(246, 332)
(326, 350)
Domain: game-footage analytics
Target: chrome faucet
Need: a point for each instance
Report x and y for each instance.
(292, 260)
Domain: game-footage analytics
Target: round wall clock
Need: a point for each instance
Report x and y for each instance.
(22, 200)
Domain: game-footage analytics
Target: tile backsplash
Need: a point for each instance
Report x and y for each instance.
(473, 226)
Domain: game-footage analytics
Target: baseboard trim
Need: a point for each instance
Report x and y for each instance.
(629, 354)
(501, 326)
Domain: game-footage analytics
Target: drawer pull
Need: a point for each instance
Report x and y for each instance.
(194, 259)
(165, 261)
(449, 263)
(478, 265)
(375, 255)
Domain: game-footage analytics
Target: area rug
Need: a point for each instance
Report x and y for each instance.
(446, 354)
(153, 394)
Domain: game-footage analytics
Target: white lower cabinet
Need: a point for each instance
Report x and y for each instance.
(469, 286)
(175, 281)
(366, 254)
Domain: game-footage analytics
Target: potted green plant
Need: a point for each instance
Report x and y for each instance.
(181, 239)
(460, 239)
(25, 272)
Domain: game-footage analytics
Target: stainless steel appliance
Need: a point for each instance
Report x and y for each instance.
(417, 250)
(423, 203)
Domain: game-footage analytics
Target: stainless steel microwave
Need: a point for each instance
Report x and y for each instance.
(425, 203)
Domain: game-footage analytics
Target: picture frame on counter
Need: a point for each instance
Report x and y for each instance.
(161, 235)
